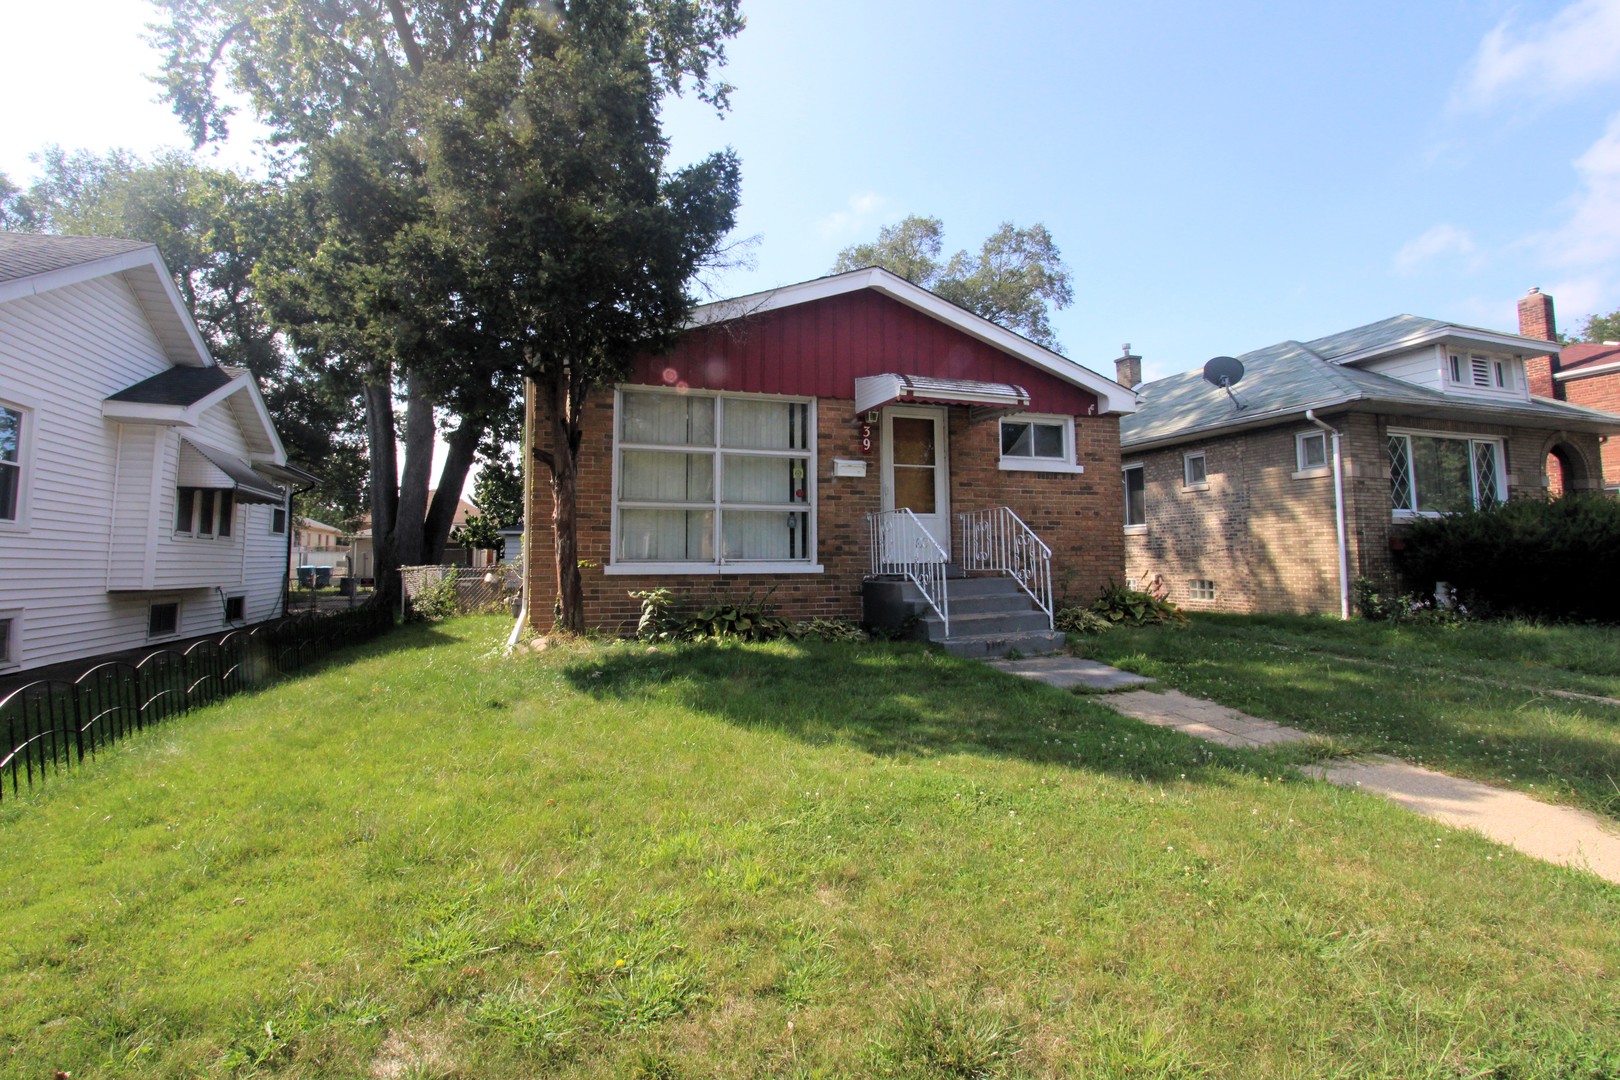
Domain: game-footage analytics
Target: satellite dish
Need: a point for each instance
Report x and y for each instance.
(1224, 371)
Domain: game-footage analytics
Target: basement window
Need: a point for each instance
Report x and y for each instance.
(235, 608)
(1201, 589)
(163, 619)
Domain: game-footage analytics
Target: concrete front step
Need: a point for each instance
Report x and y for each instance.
(1026, 643)
(990, 622)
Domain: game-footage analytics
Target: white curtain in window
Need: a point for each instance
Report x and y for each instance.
(666, 535)
(652, 476)
(668, 419)
(764, 534)
(751, 479)
(759, 425)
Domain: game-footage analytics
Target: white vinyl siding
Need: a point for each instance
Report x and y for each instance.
(709, 480)
(84, 567)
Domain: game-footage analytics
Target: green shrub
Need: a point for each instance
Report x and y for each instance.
(746, 618)
(1527, 558)
(827, 630)
(436, 602)
(1121, 606)
(1075, 619)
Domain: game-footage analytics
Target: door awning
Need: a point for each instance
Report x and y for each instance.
(209, 467)
(875, 391)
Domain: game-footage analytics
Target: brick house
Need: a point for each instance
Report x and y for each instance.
(1585, 374)
(1233, 499)
(807, 439)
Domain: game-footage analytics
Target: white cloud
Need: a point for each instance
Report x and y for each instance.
(1576, 49)
(857, 217)
(1440, 241)
(1590, 237)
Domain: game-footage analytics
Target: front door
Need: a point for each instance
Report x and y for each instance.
(916, 468)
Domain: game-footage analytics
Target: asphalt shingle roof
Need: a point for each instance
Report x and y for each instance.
(178, 386)
(1286, 379)
(24, 255)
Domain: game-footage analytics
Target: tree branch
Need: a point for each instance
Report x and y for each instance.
(407, 37)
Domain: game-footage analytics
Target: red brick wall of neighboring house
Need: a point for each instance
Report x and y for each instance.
(1079, 516)
(1600, 392)
(1266, 536)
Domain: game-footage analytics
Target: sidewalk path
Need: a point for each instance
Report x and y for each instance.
(1557, 834)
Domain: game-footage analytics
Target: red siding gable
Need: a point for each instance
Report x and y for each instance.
(819, 348)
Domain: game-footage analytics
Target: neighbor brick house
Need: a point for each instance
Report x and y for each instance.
(1232, 499)
(794, 441)
(1585, 374)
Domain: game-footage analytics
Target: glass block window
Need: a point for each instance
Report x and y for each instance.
(713, 478)
(1201, 589)
(1441, 474)
(1310, 450)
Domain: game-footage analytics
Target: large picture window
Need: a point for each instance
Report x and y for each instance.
(713, 479)
(1444, 474)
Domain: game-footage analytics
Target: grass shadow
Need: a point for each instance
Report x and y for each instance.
(898, 700)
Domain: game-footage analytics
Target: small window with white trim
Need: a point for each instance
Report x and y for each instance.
(235, 608)
(8, 638)
(163, 619)
(1135, 496)
(1194, 471)
(1201, 589)
(1039, 443)
(13, 462)
(278, 521)
(1310, 450)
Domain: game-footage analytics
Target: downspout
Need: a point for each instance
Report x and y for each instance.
(1338, 514)
(528, 512)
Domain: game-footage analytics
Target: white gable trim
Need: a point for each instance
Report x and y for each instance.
(1111, 396)
(190, 416)
(154, 290)
(1454, 335)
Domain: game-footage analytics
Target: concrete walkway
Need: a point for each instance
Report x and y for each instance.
(1557, 834)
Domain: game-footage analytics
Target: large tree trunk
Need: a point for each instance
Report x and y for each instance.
(564, 516)
(379, 399)
(415, 476)
(463, 447)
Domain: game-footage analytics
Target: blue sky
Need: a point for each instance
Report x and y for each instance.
(1219, 177)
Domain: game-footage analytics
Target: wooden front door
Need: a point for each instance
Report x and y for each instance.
(916, 468)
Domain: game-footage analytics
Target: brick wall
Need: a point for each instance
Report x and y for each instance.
(1600, 392)
(1080, 517)
(1266, 536)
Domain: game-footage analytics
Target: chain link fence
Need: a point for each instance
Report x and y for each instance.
(461, 590)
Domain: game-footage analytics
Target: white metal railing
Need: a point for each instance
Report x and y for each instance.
(998, 540)
(901, 547)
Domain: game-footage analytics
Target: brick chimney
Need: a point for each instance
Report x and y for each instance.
(1128, 368)
(1536, 320)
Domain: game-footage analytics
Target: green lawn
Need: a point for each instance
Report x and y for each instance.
(1472, 699)
(780, 860)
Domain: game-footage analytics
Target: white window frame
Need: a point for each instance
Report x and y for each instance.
(1302, 469)
(1187, 482)
(1493, 374)
(11, 650)
(1139, 526)
(1470, 438)
(179, 617)
(810, 507)
(1201, 590)
(240, 598)
(221, 495)
(1062, 464)
(28, 410)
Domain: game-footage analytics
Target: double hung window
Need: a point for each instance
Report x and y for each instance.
(11, 462)
(712, 479)
(1135, 496)
(204, 511)
(1444, 474)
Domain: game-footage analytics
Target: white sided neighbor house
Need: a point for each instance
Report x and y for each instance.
(143, 488)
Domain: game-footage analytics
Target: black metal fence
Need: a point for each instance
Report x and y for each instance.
(52, 725)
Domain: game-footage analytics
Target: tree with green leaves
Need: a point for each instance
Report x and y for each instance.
(211, 226)
(480, 197)
(1601, 328)
(1014, 279)
(498, 494)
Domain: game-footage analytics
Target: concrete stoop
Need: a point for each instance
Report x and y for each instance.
(990, 616)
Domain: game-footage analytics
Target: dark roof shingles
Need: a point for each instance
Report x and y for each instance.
(24, 255)
(181, 386)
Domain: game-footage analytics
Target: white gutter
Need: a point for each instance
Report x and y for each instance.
(528, 512)
(1338, 514)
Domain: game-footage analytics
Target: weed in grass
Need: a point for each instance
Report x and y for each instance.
(935, 1037)
(450, 934)
(524, 1020)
